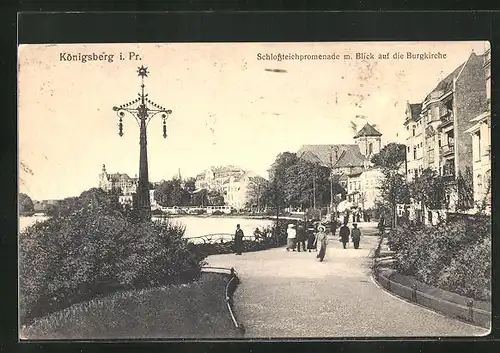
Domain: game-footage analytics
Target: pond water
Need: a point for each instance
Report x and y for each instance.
(195, 226)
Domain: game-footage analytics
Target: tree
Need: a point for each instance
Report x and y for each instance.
(307, 184)
(394, 190)
(25, 204)
(428, 189)
(465, 187)
(256, 192)
(390, 157)
(278, 176)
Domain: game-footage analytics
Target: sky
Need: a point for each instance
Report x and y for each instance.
(226, 107)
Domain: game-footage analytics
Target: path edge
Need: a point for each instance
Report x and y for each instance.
(229, 290)
(466, 312)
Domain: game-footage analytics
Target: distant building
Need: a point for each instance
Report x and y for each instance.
(214, 178)
(121, 181)
(346, 158)
(43, 205)
(232, 182)
(363, 188)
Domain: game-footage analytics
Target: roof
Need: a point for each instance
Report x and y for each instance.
(351, 158)
(367, 130)
(322, 153)
(446, 84)
(415, 110)
(115, 177)
(227, 169)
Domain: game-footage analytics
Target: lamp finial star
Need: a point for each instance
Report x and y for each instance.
(142, 71)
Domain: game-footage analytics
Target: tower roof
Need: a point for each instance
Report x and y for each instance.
(367, 130)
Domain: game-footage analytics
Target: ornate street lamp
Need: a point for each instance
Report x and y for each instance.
(143, 110)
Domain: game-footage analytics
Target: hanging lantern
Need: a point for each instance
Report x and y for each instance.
(120, 127)
(164, 129)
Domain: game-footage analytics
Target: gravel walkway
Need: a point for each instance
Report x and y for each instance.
(289, 294)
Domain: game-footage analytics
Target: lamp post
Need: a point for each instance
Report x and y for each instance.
(143, 110)
(331, 174)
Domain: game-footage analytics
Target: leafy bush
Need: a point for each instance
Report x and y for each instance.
(96, 250)
(454, 255)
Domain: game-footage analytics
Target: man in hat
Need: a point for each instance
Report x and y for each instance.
(301, 237)
(344, 234)
(238, 240)
(355, 235)
(291, 236)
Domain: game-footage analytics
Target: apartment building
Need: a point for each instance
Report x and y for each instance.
(481, 144)
(437, 128)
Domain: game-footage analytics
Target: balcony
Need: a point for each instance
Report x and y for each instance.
(447, 150)
(447, 117)
(448, 174)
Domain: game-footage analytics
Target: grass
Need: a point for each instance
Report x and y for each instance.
(194, 310)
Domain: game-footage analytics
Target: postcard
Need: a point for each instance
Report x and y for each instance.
(317, 190)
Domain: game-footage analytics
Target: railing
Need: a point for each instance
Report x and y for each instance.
(446, 117)
(228, 292)
(447, 149)
(217, 238)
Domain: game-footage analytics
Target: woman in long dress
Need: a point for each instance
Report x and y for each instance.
(321, 242)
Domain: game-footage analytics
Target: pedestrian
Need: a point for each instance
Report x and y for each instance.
(355, 235)
(333, 226)
(256, 234)
(381, 226)
(238, 240)
(321, 242)
(344, 234)
(301, 237)
(311, 238)
(291, 236)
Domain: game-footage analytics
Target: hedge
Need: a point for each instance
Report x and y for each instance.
(454, 255)
(94, 251)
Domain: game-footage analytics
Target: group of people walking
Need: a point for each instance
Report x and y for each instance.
(308, 236)
(317, 237)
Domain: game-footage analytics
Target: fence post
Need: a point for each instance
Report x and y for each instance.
(414, 292)
(470, 303)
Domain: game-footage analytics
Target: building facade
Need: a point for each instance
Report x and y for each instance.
(363, 188)
(214, 178)
(234, 183)
(121, 181)
(437, 128)
(481, 145)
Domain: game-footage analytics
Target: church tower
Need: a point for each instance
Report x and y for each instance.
(369, 141)
(104, 183)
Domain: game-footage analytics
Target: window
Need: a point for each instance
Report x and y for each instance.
(476, 145)
(408, 148)
(370, 148)
(414, 153)
(413, 131)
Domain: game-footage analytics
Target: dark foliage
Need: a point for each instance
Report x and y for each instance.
(89, 249)
(455, 255)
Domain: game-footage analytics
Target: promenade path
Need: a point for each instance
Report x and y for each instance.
(288, 294)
